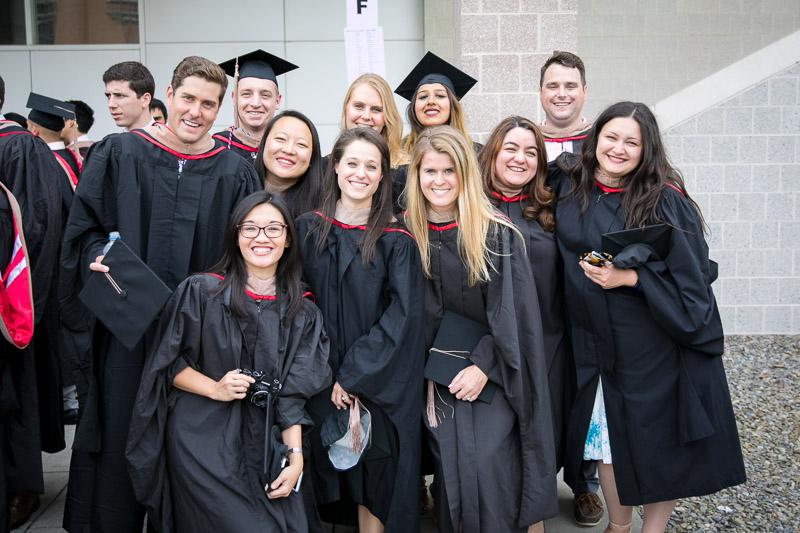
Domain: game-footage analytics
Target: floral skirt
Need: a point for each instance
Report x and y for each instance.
(597, 446)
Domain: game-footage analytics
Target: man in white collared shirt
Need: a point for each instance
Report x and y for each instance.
(562, 92)
(80, 125)
(129, 88)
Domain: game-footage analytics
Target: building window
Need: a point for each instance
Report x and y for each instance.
(86, 21)
(12, 22)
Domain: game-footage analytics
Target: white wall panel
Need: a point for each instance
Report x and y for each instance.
(15, 67)
(204, 21)
(71, 75)
(317, 88)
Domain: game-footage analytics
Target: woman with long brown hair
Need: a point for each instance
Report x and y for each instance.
(514, 169)
(364, 269)
(652, 404)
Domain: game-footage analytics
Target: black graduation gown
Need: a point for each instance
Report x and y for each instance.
(65, 182)
(374, 319)
(670, 421)
(171, 210)
(494, 463)
(546, 266)
(185, 478)
(30, 392)
(229, 141)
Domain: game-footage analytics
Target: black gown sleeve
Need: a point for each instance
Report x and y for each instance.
(92, 216)
(678, 289)
(382, 364)
(176, 346)
(516, 354)
(308, 372)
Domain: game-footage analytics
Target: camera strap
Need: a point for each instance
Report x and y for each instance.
(282, 341)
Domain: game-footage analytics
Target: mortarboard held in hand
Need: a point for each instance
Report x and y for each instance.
(456, 339)
(634, 247)
(433, 69)
(128, 297)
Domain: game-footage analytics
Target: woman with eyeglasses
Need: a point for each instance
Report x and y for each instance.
(365, 272)
(199, 434)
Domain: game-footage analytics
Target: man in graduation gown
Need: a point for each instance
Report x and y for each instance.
(169, 192)
(129, 89)
(562, 91)
(30, 395)
(255, 99)
(46, 120)
(76, 132)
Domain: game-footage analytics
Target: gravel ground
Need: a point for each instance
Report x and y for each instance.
(764, 378)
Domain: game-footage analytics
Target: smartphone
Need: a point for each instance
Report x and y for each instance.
(284, 464)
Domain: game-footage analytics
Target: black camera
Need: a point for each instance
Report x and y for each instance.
(258, 393)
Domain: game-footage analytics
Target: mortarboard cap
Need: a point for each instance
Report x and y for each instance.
(656, 236)
(49, 112)
(456, 339)
(434, 69)
(258, 64)
(127, 298)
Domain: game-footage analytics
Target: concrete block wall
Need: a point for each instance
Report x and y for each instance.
(503, 44)
(646, 50)
(741, 162)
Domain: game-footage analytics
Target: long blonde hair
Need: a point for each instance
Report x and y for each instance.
(456, 120)
(393, 125)
(478, 221)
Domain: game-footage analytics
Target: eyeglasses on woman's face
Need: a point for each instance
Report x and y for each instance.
(251, 231)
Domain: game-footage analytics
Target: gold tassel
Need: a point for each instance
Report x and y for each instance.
(236, 95)
(430, 407)
(355, 426)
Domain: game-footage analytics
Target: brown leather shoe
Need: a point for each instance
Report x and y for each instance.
(588, 509)
(21, 508)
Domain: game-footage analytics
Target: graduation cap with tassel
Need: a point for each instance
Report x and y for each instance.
(50, 113)
(255, 64)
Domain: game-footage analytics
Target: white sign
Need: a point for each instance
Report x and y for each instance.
(363, 40)
(362, 14)
(364, 50)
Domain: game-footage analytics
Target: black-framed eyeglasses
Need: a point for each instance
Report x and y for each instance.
(251, 231)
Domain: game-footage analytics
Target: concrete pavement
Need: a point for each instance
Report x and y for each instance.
(56, 469)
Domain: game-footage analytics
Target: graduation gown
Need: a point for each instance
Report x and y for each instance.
(374, 319)
(71, 173)
(171, 210)
(545, 263)
(237, 145)
(30, 390)
(185, 478)
(494, 463)
(670, 421)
